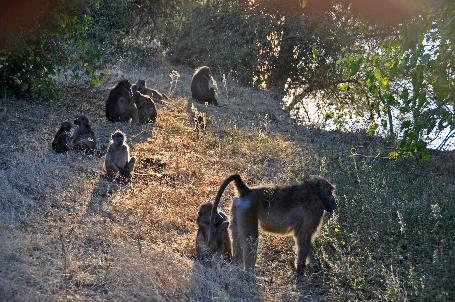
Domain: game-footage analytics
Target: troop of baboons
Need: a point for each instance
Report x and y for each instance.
(287, 210)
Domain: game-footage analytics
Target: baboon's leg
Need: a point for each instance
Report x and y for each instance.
(303, 242)
(130, 165)
(251, 247)
(111, 170)
(247, 231)
(237, 249)
(227, 246)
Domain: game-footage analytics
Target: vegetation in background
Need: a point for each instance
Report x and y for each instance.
(400, 77)
(56, 42)
(407, 76)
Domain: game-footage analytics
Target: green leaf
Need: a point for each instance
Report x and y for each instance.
(355, 66)
(343, 87)
(385, 82)
(372, 129)
(377, 74)
(393, 155)
(329, 115)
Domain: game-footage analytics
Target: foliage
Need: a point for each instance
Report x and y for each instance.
(410, 74)
(30, 58)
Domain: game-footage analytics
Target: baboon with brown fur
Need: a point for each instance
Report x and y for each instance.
(146, 108)
(118, 158)
(61, 142)
(157, 96)
(284, 210)
(200, 86)
(119, 105)
(221, 243)
(83, 138)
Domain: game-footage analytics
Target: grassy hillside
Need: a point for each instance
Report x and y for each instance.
(68, 233)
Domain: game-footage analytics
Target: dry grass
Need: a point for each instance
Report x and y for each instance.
(67, 233)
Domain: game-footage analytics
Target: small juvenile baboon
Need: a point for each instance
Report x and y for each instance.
(200, 86)
(157, 96)
(119, 105)
(146, 108)
(83, 138)
(118, 158)
(61, 142)
(221, 243)
(295, 210)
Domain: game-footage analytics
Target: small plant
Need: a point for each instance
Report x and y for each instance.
(201, 120)
(175, 77)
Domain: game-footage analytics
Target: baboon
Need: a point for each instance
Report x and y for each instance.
(61, 142)
(146, 108)
(221, 243)
(200, 86)
(118, 158)
(157, 96)
(119, 105)
(295, 210)
(83, 138)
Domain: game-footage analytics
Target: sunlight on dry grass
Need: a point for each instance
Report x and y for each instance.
(85, 237)
(70, 234)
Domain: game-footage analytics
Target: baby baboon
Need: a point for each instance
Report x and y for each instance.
(83, 137)
(295, 210)
(157, 96)
(118, 158)
(221, 243)
(61, 142)
(200, 86)
(119, 105)
(146, 108)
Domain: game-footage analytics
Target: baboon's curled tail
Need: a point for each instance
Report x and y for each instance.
(239, 184)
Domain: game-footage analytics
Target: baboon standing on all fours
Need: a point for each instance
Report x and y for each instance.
(200, 86)
(295, 210)
(118, 158)
(145, 107)
(62, 139)
(119, 105)
(221, 243)
(83, 138)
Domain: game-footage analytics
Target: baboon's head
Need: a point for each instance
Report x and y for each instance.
(203, 220)
(204, 70)
(204, 213)
(118, 138)
(65, 127)
(124, 84)
(324, 190)
(82, 121)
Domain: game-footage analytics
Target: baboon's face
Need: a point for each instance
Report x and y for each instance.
(118, 138)
(81, 121)
(326, 196)
(65, 126)
(204, 213)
